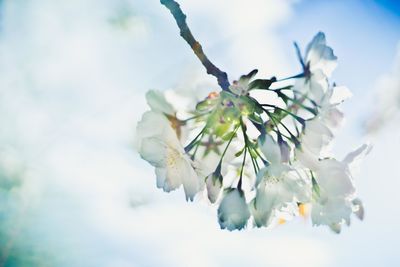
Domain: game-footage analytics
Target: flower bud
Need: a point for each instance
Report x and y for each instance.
(214, 186)
(233, 211)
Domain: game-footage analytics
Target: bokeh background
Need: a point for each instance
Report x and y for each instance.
(73, 74)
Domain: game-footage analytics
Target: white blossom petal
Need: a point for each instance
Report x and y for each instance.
(334, 178)
(233, 212)
(191, 182)
(316, 136)
(358, 208)
(214, 187)
(320, 56)
(146, 126)
(262, 206)
(354, 157)
(159, 145)
(167, 179)
(270, 149)
(339, 94)
(275, 193)
(157, 102)
(154, 151)
(329, 211)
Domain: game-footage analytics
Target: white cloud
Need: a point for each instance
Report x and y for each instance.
(72, 87)
(386, 102)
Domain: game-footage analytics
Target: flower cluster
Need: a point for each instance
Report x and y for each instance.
(261, 150)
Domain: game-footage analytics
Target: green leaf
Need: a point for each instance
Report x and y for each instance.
(255, 118)
(316, 191)
(261, 83)
(240, 152)
(229, 136)
(258, 109)
(253, 153)
(250, 75)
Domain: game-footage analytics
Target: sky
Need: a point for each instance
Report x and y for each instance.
(73, 75)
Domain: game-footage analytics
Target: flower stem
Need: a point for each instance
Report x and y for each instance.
(241, 170)
(194, 141)
(301, 120)
(248, 147)
(195, 117)
(187, 35)
(229, 142)
(293, 138)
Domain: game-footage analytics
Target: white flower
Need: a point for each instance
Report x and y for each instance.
(233, 211)
(328, 210)
(159, 145)
(157, 102)
(273, 154)
(319, 56)
(152, 124)
(277, 185)
(338, 94)
(328, 108)
(318, 65)
(315, 140)
(335, 199)
(274, 194)
(318, 132)
(354, 158)
(335, 211)
(358, 208)
(314, 86)
(270, 149)
(214, 186)
(334, 177)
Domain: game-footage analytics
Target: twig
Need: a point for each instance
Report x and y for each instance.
(186, 34)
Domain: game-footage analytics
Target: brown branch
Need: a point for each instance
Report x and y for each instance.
(186, 34)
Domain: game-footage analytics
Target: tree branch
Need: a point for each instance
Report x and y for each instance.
(186, 34)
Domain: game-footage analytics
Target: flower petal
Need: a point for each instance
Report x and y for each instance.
(354, 157)
(154, 151)
(157, 102)
(233, 211)
(330, 211)
(214, 187)
(270, 149)
(320, 56)
(334, 177)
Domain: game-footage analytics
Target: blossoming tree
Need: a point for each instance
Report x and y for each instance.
(259, 149)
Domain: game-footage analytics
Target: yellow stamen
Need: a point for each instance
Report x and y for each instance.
(176, 125)
(303, 210)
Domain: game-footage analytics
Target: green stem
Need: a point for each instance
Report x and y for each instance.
(193, 142)
(229, 142)
(195, 117)
(248, 148)
(293, 137)
(301, 120)
(297, 102)
(241, 170)
(287, 88)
